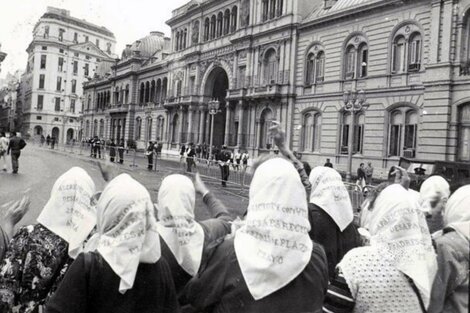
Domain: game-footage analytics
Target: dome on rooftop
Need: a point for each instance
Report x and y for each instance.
(145, 47)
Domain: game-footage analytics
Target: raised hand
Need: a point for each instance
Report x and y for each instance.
(278, 134)
(199, 185)
(108, 170)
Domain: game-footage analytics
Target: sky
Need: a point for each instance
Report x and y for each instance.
(128, 20)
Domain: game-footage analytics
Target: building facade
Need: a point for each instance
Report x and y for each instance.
(10, 104)
(293, 61)
(63, 54)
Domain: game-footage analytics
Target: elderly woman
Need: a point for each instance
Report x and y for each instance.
(186, 243)
(331, 216)
(395, 273)
(39, 253)
(270, 264)
(434, 193)
(450, 290)
(124, 271)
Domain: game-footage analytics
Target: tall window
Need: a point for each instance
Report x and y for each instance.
(74, 85)
(101, 131)
(108, 47)
(138, 128)
(46, 32)
(310, 137)
(271, 9)
(42, 78)
(160, 127)
(358, 137)
(59, 83)
(315, 67)
(234, 19)
(57, 104)
(75, 37)
(206, 29)
(87, 38)
(265, 12)
(226, 22)
(350, 62)
(356, 57)
(220, 27)
(98, 43)
(174, 129)
(87, 69)
(363, 58)
(40, 102)
(149, 129)
(43, 61)
(270, 67)
(464, 133)
(213, 26)
(72, 105)
(403, 129)
(61, 34)
(61, 64)
(75, 67)
(407, 50)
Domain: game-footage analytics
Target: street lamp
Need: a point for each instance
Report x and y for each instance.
(354, 102)
(214, 106)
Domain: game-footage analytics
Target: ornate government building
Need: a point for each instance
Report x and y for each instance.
(293, 61)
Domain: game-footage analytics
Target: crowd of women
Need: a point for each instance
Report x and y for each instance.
(297, 249)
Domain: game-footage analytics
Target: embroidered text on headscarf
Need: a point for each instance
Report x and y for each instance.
(330, 194)
(273, 246)
(177, 226)
(69, 212)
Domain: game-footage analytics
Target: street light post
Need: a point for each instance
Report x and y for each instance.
(214, 105)
(354, 102)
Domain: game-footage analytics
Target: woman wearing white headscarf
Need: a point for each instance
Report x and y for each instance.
(270, 265)
(434, 193)
(186, 243)
(331, 215)
(396, 272)
(39, 253)
(450, 290)
(125, 272)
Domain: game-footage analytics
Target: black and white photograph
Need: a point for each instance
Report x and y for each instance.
(234, 156)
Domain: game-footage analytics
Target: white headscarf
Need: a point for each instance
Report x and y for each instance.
(273, 246)
(69, 212)
(433, 188)
(176, 224)
(457, 211)
(127, 228)
(330, 194)
(400, 232)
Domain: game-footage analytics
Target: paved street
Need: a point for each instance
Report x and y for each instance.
(39, 168)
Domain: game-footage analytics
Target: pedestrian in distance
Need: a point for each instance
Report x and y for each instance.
(224, 164)
(48, 140)
(15, 146)
(149, 153)
(42, 140)
(328, 163)
(369, 171)
(4, 142)
(190, 155)
(121, 151)
(182, 153)
(112, 150)
(245, 158)
(361, 177)
(238, 158)
(53, 141)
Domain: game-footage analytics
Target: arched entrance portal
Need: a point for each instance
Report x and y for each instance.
(38, 131)
(55, 134)
(69, 135)
(216, 87)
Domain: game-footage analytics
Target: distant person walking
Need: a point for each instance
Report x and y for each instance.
(3, 149)
(52, 142)
(48, 140)
(15, 146)
(121, 151)
(369, 171)
(224, 159)
(149, 154)
(361, 177)
(112, 150)
(190, 154)
(328, 163)
(42, 140)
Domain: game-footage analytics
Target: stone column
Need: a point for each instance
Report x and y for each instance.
(202, 120)
(180, 128)
(227, 124)
(240, 124)
(208, 129)
(258, 134)
(190, 124)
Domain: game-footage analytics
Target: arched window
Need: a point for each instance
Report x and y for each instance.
(177, 41)
(407, 49)
(138, 128)
(266, 118)
(220, 24)
(363, 59)
(126, 100)
(315, 67)
(234, 18)
(226, 22)
(142, 93)
(350, 66)
(213, 26)
(356, 57)
(185, 38)
(174, 129)
(164, 89)
(159, 91)
(311, 126)
(270, 67)
(87, 129)
(272, 9)
(265, 10)
(280, 7)
(195, 33)
(358, 137)
(403, 130)
(206, 29)
(464, 133)
(147, 92)
(160, 128)
(148, 134)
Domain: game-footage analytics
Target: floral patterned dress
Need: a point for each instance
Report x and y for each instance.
(35, 262)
